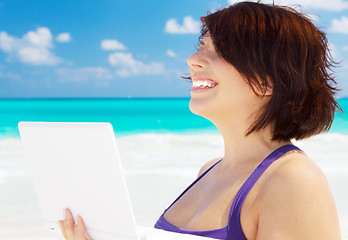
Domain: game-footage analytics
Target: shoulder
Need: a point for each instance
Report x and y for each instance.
(295, 201)
(295, 172)
(207, 165)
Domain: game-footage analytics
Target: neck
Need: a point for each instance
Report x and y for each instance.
(241, 149)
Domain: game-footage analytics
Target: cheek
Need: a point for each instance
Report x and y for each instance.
(236, 95)
(232, 83)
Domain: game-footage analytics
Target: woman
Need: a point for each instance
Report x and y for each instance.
(262, 76)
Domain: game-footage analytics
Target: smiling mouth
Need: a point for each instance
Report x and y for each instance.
(199, 82)
(204, 84)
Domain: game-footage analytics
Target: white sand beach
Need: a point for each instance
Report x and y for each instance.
(158, 167)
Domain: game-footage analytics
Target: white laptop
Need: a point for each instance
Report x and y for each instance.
(77, 166)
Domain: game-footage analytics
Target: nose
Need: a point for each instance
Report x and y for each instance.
(196, 61)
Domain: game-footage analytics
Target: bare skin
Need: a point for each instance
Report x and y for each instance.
(70, 229)
(291, 200)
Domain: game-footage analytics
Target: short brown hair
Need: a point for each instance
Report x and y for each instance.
(277, 46)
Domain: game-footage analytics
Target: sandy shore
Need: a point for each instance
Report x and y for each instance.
(161, 170)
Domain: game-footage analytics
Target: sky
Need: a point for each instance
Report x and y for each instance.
(122, 48)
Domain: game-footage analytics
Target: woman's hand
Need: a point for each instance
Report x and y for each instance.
(70, 230)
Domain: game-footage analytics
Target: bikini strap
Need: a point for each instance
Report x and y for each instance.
(234, 229)
(195, 181)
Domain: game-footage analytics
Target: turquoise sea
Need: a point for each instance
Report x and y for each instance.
(128, 116)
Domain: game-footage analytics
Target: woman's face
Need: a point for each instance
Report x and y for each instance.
(219, 90)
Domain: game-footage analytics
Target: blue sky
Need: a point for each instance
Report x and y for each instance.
(121, 48)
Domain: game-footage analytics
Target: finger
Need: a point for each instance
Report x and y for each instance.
(69, 225)
(62, 229)
(80, 229)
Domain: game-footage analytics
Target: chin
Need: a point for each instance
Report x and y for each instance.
(199, 108)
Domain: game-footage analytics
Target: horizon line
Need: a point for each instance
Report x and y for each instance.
(86, 98)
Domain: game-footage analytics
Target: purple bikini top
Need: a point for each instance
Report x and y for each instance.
(233, 230)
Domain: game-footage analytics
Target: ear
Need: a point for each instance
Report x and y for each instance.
(267, 89)
(264, 88)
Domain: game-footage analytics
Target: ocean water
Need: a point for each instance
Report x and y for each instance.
(162, 146)
(128, 116)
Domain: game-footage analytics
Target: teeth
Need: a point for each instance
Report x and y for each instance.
(203, 84)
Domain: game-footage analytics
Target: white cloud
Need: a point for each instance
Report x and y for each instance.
(6, 42)
(37, 56)
(345, 48)
(339, 25)
(332, 5)
(127, 66)
(63, 37)
(84, 74)
(41, 38)
(170, 53)
(33, 48)
(189, 26)
(112, 44)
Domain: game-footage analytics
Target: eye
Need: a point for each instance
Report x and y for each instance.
(187, 77)
(200, 45)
